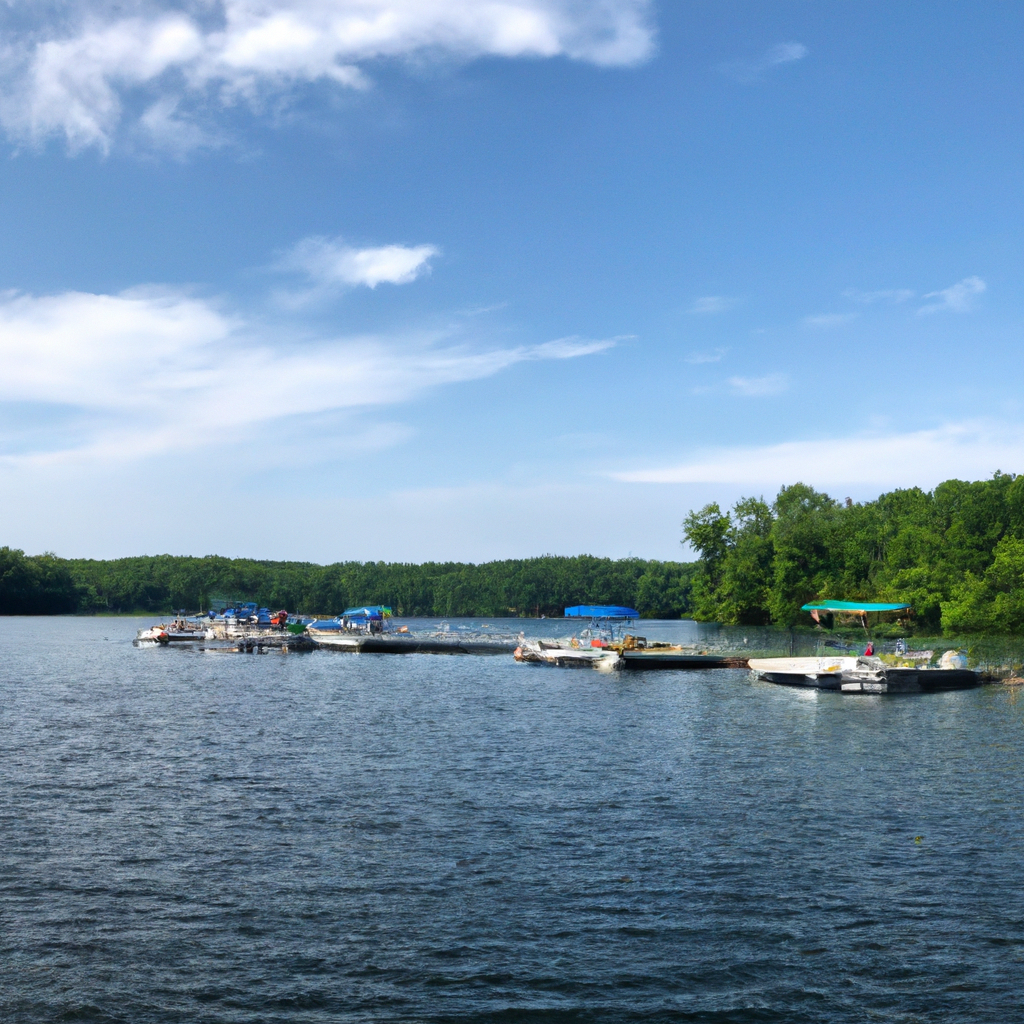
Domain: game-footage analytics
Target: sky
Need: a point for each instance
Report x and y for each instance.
(472, 279)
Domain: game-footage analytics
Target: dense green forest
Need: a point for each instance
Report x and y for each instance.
(47, 584)
(956, 554)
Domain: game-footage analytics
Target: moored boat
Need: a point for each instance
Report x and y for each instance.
(819, 673)
(180, 631)
(568, 654)
(865, 675)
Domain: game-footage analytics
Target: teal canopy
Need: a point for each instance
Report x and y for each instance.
(852, 606)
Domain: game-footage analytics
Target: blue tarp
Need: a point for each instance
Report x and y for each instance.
(852, 606)
(328, 624)
(372, 611)
(601, 611)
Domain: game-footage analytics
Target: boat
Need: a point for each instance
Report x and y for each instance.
(592, 648)
(364, 620)
(820, 673)
(867, 674)
(568, 654)
(181, 630)
(602, 645)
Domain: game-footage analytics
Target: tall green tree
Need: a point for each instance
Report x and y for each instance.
(707, 532)
(747, 571)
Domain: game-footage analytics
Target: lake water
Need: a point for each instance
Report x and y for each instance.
(331, 837)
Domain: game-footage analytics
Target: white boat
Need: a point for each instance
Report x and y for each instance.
(866, 674)
(820, 673)
(178, 632)
(568, 654)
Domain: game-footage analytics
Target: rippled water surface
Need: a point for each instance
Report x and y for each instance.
(333, 837)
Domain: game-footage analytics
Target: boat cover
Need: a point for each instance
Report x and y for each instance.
(328, 624)
(601, 611)
(372, 611)
(852, 606)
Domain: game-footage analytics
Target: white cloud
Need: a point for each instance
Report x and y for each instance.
(77, 79)
(711, 304)
(753, 70)
(924, 458)
(572, 347)
(957, 298)
(331, 263)
(756, 387)
(153, 369)
(892, 296)
(699, 358)
(829, 320)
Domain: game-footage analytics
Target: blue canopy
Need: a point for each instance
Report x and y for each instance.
(371, 611)
(601, 611)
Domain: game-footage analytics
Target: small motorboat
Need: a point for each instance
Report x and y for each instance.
(819, 673)
(568, 654)
(178, 632)
(867, 674)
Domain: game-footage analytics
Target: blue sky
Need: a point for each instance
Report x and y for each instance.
(412, 279)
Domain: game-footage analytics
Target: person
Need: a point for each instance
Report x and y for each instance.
(871, 649)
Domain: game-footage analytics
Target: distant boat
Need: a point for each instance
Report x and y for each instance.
(180, 630)
(363, 620)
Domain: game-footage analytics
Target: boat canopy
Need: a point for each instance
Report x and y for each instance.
(601, 611)
(856, 607)
(370, 611)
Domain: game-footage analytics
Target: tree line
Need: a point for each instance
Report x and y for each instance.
(46, 584)
(955, 554)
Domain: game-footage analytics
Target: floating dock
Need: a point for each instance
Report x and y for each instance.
(653, 658)
(411, 644)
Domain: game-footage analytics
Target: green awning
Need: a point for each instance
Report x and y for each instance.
(853, 606)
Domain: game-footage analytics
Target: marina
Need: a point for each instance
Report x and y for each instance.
(599, 643)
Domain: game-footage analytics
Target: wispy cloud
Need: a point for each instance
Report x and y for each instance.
(827, 321)
(754, 70)
(711, 304)
(922, 458)
(891, 296)
(482, 310)
(714, 356)
(571, 347)
(144, 368)
(76, 75)
(330, 263)
(957, 298)
(758, 387)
